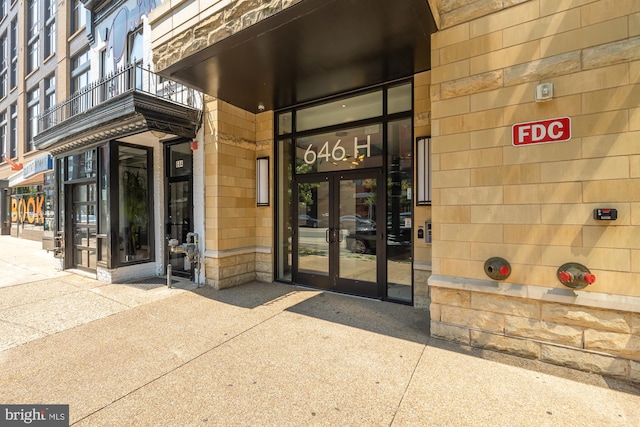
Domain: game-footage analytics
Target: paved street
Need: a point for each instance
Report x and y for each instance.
(261, 354)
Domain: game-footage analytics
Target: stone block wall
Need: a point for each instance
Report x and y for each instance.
(533, 205)
(597, 340)
(238, 233)
(265, 214)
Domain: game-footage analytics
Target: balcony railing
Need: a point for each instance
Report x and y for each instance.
(129, 79)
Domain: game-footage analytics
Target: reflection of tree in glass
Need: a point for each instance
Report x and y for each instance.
(306, 190)
(370, 186)
(135, 203)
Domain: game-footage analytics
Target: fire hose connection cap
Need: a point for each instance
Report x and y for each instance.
(565, 276)
(575, 276)
(497, 268)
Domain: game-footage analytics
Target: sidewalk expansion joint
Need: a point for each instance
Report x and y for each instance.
(406, 388)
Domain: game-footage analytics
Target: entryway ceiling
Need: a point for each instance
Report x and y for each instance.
(311, 50)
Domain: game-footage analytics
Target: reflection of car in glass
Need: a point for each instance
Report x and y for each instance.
(355, 223)
(307, 221)
(363, 240)
(362, 233)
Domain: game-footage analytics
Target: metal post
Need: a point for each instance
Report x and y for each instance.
(169, 275)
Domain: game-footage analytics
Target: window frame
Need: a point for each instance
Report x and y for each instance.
(78, 16)
(79, 70)
(33, 114)
(13, 129)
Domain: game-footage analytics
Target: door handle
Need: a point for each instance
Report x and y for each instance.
(334, 236)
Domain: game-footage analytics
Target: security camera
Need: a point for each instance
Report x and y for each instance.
(261, 107)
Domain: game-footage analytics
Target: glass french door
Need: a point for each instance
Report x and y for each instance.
(337, 244)
(84, 226)
(179, 204)
(179, 169)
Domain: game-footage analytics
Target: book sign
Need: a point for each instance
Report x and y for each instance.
(540, 132)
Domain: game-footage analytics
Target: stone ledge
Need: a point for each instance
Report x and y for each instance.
(238, 251)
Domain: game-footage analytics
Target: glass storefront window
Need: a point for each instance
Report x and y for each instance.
(60, 202)
(399, 99)
(342, 111)
(103, 205)
(180, 161)
(285, 123)
(354, 148)
(134, 207)
(349, 159)
(48, 210)
(104, 189)
(81, 166)
(399, 220)
(284, 207)
(27, 208)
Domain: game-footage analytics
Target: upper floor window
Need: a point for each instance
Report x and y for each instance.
(50, 28)
(3, 65)
(49, 91)
(3, 134)
(78, 16)
(33, 36)
(49, 100)
(50, 9)
(13, 129)
(13, 76)
(33, 113)
(136, 49)
(33, 55)
(33, 18)
(80, 66)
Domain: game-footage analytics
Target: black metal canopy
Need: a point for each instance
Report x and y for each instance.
(311, 50)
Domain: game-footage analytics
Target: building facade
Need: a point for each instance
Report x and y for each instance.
(123, 152)
(477, 158)
(37, 40)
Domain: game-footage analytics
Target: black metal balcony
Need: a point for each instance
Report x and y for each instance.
(134, 98)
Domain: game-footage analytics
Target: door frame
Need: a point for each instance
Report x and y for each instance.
(332, 280)
(167, 183)
(72, 224)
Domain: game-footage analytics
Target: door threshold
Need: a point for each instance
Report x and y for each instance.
(309, 288)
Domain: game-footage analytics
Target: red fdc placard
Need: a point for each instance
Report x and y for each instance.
(552, 130)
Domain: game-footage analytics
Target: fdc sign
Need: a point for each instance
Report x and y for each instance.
(552, 130)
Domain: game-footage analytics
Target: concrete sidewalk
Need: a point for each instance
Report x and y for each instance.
(270, 354)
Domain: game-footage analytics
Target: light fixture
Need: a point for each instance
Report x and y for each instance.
(158, 133)
(423, 172)
(262, 181)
